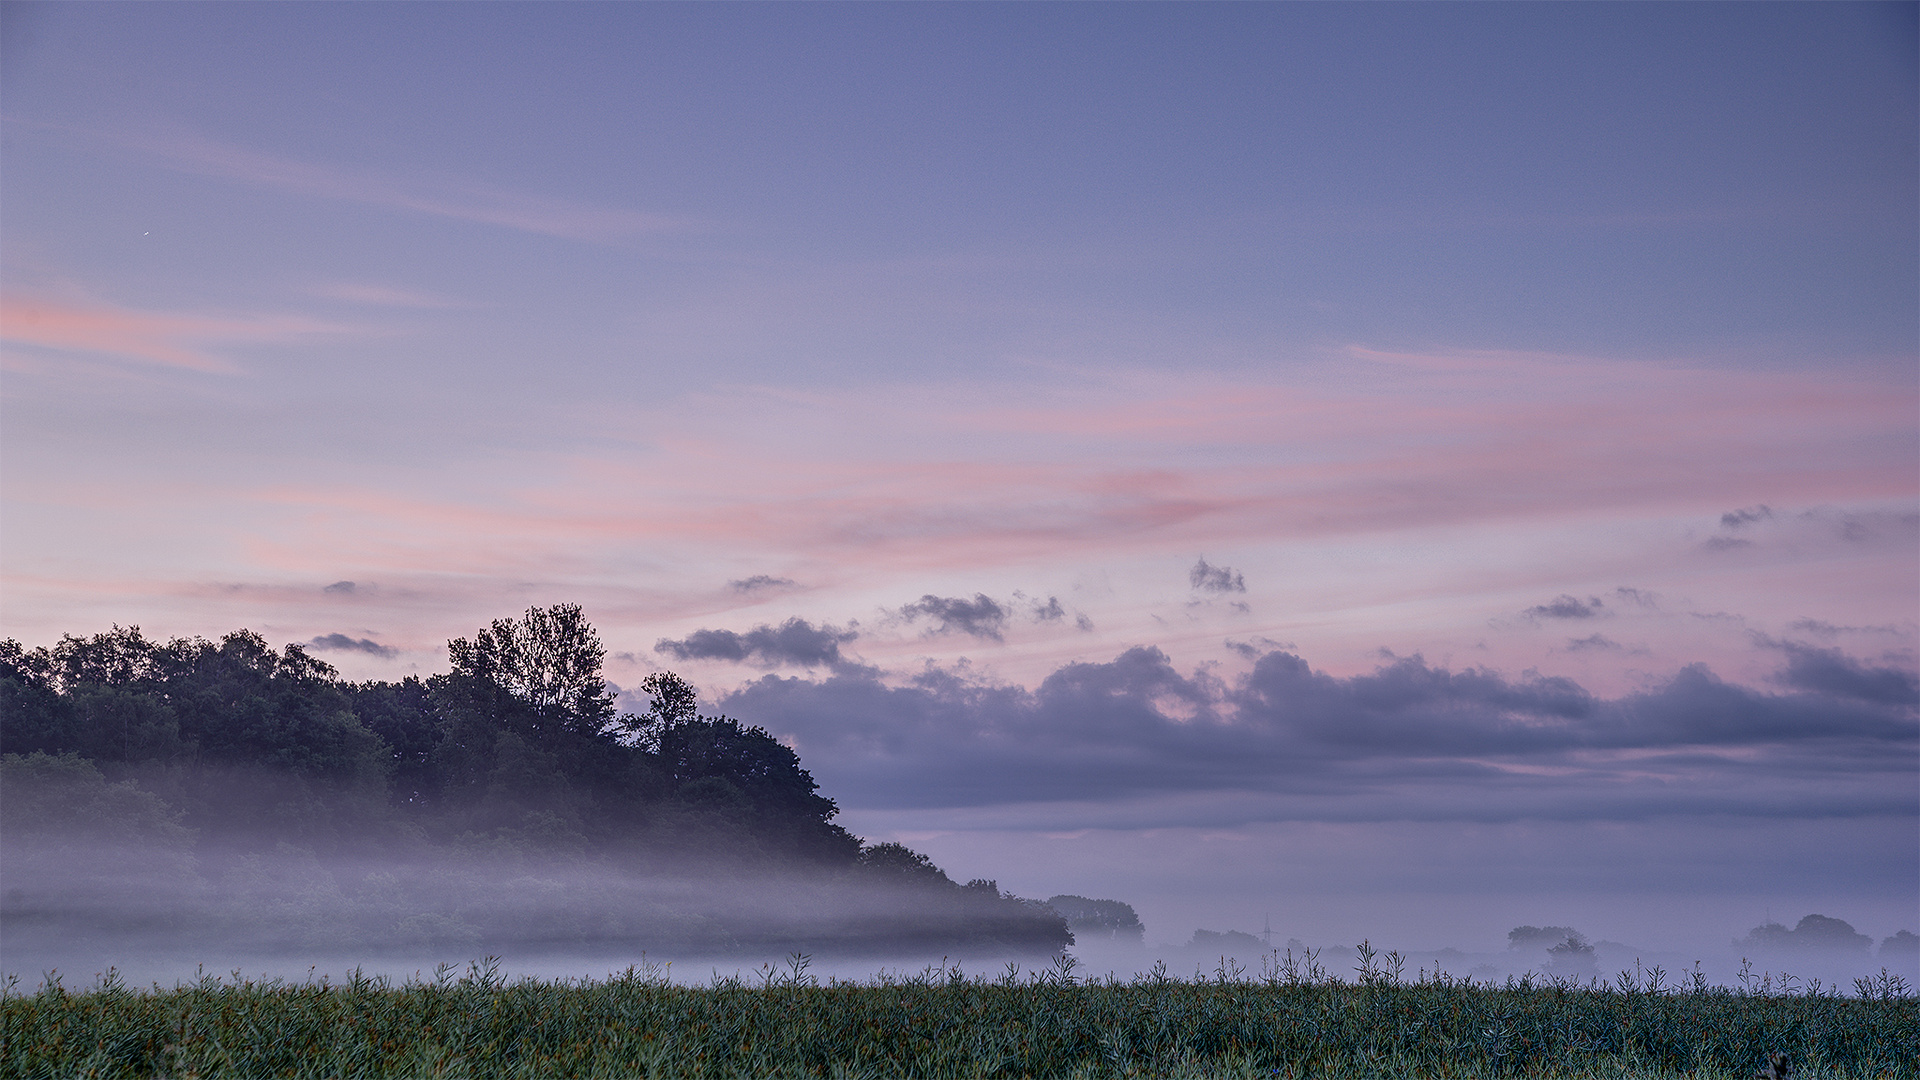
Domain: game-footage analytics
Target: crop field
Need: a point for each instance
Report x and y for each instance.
(1288, 1022)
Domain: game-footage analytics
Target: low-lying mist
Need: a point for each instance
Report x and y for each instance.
(80, 905)
(77, 904)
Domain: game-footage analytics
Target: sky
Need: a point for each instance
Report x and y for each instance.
(1396, 470)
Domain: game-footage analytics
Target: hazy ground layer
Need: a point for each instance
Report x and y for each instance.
(942, 1023)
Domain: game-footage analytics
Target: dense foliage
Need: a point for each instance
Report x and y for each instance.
(942, 1023)
(448, 808)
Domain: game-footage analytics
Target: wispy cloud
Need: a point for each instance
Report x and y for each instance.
(149, 337)
(440, 197)
(920, 481)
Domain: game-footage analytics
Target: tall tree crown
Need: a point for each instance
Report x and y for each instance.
(549, 659)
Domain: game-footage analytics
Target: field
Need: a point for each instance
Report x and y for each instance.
(1290, 1021)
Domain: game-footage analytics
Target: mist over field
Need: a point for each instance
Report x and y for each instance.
(1204, 485)
(81, 907)
(119, 887)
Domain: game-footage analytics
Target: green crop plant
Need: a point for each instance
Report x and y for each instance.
(1292, 1020)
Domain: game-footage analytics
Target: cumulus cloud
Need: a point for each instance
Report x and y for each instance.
(1256, 647)
(343, 643)
(760, 583)
(1738, 519)
(1406, 741)
(1567, 607)
(795, 641)
(1832, 672)
(1215, 579)
(981, 617)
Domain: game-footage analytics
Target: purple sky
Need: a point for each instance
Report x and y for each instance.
(1410, 470)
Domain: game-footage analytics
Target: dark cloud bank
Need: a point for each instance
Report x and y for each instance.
(1408, 741)
(796, 642)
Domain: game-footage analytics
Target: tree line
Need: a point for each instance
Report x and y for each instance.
(516, 754)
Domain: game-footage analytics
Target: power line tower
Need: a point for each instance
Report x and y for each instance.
(1266, 933)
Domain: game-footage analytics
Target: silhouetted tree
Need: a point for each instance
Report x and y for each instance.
(1539, 937)
(1099, 918)
(548, 661)
(707, 755)
(1813, 932)
(1573, 956)
(901, 864)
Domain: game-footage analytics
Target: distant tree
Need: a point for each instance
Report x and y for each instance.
(716, 764)
(673, 702)
(120, 657)
(122, 724)
(767, 772)
(522, 724)
(1539, 937)
(1573, 956)
(1814, 932)
(65, 796)
(1236, 943)
(36, 718)
(238, 701)
(1098, 918)
(1821, 932)
(901, 864)
(1903, 948)
(119, 698)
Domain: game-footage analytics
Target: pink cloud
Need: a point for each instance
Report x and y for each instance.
(149, 337)
(853, 490)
